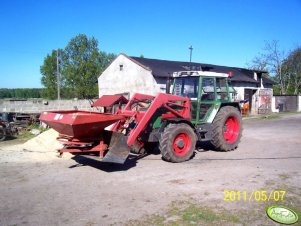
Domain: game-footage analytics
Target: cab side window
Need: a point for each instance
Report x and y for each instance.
(208, 89)
(221, 88)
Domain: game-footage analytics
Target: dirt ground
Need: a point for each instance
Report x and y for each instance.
(82, 191)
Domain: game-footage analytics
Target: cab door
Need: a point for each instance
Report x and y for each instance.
(188, 86)
(207, 97)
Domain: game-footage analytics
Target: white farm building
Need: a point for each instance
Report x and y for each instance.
(151, 76)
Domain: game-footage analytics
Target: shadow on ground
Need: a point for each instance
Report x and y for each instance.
(93, 161)
(203, 146)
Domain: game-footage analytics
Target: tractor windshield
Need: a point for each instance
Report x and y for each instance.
(186, 87)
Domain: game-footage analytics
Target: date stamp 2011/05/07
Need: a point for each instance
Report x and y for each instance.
(255, 195)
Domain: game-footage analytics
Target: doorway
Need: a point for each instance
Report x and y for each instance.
(248, 96)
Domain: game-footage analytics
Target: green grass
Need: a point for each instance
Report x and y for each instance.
(284, 176)
(271, 116)
(279, 115)
(194, 214)
(26, 134)
(154, 219)
(292, 196)
(188, 213)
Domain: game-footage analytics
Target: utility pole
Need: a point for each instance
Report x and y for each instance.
(281, 81)
(58, 75)
(190, 48)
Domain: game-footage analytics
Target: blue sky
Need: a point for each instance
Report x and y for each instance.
(221, 32)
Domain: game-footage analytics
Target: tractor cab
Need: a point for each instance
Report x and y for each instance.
(206, 90)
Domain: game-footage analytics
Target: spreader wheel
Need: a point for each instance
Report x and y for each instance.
(2, 133)
(226, 129)
(177, 142)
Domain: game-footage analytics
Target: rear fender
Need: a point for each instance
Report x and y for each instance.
(233, 104)
(156, 134)
(213, 111)
(178, 120)
(216, 108)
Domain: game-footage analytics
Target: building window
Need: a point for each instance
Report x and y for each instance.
(121, 67)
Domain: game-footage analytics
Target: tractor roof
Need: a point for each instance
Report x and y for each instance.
(199, 73)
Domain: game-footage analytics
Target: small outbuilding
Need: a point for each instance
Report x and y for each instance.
(110, 103)
(151, 76)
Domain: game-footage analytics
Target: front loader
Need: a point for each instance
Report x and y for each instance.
(200, 108)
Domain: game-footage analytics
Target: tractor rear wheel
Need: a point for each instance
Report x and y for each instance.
(177, 142)
(226, 129)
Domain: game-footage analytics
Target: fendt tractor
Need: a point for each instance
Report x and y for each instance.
(200, 108)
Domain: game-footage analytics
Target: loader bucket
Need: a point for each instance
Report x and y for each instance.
(118, 149)
(78, 124)
(82, 128)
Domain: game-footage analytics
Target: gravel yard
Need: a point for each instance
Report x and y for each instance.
(37, 188)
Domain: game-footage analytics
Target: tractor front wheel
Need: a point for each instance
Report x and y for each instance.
(226, 129)
(177, 142)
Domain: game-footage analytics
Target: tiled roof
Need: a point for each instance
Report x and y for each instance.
(165, 68)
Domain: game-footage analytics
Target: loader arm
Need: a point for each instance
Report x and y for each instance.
(161, 100)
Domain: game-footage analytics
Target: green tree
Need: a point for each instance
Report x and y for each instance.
(105, 60)
(20, 93)
(285, 69)
(291, 72)
(49, 75)
(270, 60)
(82, 66)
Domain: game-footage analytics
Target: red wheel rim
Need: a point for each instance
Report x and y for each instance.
(231, 129)
(182, 144)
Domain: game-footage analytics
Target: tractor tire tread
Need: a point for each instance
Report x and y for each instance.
(218, 140)
(167, 137)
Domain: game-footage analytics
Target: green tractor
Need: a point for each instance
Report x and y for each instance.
(200, 108)
(214, 115)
